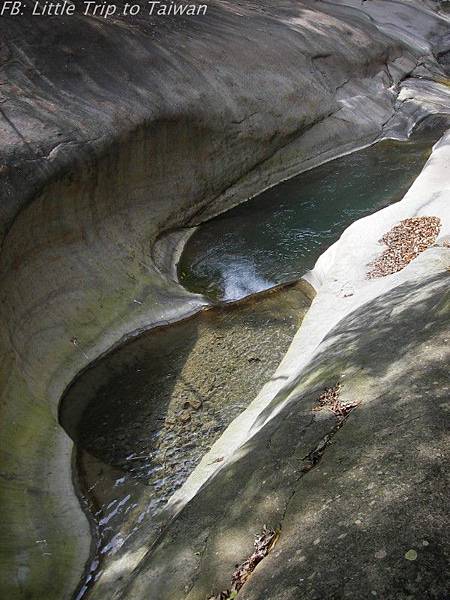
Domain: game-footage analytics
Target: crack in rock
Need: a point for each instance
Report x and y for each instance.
(313, 458)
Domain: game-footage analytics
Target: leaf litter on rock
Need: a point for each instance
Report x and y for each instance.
(404, 242)
(331, 400)
(263, 544)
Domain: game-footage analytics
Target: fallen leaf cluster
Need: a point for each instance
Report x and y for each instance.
(404, 243)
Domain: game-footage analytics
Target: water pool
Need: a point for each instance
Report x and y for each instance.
(278, 235)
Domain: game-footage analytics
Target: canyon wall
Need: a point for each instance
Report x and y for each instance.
(116, 131)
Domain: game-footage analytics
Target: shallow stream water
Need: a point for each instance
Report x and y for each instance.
(144, 415)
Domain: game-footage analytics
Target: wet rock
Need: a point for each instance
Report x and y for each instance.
(185, 416)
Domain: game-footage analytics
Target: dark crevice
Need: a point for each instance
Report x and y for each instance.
(313, 458)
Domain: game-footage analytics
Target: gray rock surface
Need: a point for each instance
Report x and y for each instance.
(370, 518)
(116, 131)
(378, 492)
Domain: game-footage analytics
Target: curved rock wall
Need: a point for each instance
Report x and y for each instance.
(114, 131)
(345, 494)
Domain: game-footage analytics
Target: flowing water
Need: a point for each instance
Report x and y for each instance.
(143, 416)
(278, 235)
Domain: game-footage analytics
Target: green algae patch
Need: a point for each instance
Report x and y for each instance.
(33, 459)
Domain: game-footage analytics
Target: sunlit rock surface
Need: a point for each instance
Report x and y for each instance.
(113, 132)
(361, 505)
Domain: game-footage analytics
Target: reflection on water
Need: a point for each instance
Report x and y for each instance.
(143, 416)
(278, 235)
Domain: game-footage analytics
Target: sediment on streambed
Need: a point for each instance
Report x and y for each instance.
(143, 417)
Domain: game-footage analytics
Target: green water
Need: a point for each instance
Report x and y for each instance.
(278, 235)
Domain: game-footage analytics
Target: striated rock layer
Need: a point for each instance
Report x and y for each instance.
(114, 131)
